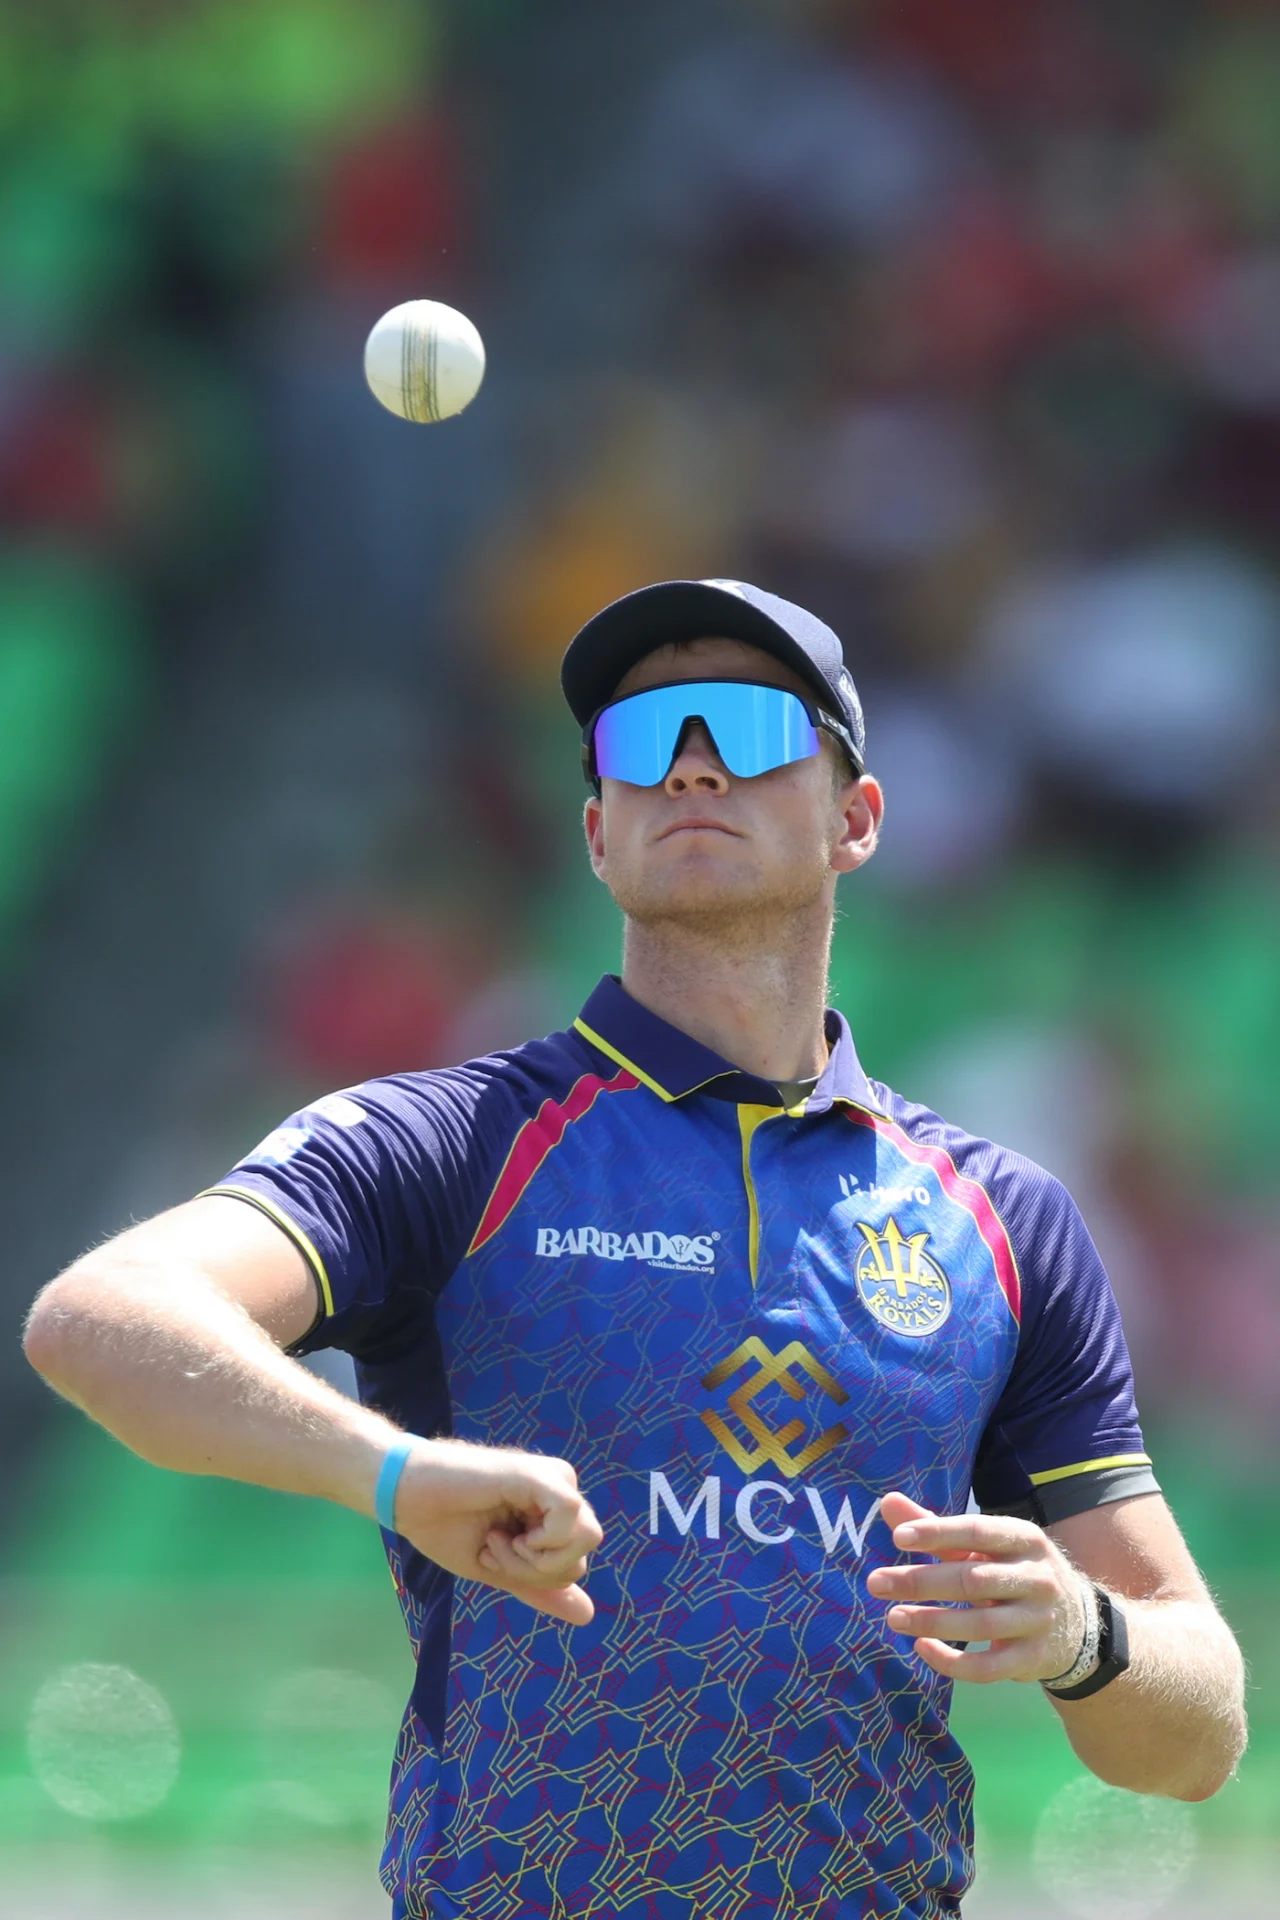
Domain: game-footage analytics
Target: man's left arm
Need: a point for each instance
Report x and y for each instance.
(1173, 1723)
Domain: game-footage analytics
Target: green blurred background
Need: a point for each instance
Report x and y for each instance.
(960, 325)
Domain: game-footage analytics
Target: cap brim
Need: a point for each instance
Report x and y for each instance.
(616, 638)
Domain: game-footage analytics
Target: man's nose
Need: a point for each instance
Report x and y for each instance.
(697, 767)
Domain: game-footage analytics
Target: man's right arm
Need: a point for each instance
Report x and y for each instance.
(171, 1336)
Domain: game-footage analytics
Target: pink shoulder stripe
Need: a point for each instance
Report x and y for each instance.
(535, 1141)
(965, 1192)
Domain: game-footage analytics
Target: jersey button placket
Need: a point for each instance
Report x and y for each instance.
(750, 1119)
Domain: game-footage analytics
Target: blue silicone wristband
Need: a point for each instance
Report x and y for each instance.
(384, 1494)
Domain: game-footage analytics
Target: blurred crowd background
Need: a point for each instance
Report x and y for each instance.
(959, 324)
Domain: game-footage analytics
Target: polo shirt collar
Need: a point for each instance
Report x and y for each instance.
(672, 1064)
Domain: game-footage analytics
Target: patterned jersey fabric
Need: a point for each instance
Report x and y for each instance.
(743, 1325)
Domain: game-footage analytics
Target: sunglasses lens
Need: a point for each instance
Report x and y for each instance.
(635, 739)
(754, 729)
(753, 734)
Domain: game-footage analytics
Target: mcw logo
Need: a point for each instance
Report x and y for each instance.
(772, 1446)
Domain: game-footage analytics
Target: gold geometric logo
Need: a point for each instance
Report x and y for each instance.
(898, 1282)
(773, 1369)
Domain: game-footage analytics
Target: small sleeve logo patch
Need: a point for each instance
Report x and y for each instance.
(280, 1146)
(338, 1108)
(284, 1142)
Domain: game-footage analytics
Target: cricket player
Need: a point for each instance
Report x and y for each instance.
(680, 1304)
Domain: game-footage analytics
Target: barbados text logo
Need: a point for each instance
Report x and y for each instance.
(680, 1251)
(899, 1283)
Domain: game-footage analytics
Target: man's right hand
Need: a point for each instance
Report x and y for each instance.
(171, 1336)
(512, 1520)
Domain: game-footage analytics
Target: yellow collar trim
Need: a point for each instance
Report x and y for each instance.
(646, 1079)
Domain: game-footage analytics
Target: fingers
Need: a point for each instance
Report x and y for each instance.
(561, 1518)
(563, 1603)
(514, 1520)
(539, 1580)
(1004, 1662)
(571, 1604)
(1005, 1580)
(976, 1582)
(899, 1509)
(518, 1565)
(994, 1535)
(1008, 1621)
(532, 1497)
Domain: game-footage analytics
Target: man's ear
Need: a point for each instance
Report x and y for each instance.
(593, 827)
(862, 810)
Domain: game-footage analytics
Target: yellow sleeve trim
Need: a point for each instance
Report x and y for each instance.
(295, 1233)
(1091, 1466)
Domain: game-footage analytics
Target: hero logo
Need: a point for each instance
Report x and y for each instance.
(852, 1189)
(681, 1252)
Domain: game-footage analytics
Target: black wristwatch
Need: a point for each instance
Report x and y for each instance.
(1113, 1650)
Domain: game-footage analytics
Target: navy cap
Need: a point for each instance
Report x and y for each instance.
(611, 643)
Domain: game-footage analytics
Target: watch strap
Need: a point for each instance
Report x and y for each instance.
(1113, 1650)
(1091, 1632)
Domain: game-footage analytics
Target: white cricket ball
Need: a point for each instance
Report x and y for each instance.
(424, 361)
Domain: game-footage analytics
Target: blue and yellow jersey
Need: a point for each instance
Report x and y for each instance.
(743, 1325)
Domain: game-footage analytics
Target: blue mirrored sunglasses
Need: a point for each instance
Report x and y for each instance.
(753, 728)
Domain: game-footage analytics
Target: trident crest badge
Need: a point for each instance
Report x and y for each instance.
(900, 1284)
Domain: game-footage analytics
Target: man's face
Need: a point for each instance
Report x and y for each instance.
(706, 847)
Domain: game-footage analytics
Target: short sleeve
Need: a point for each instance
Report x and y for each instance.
(380, 1187)
(1064, 1436)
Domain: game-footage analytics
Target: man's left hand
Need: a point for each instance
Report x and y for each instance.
(991, 1578)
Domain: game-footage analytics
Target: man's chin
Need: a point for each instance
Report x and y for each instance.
(701, 907)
